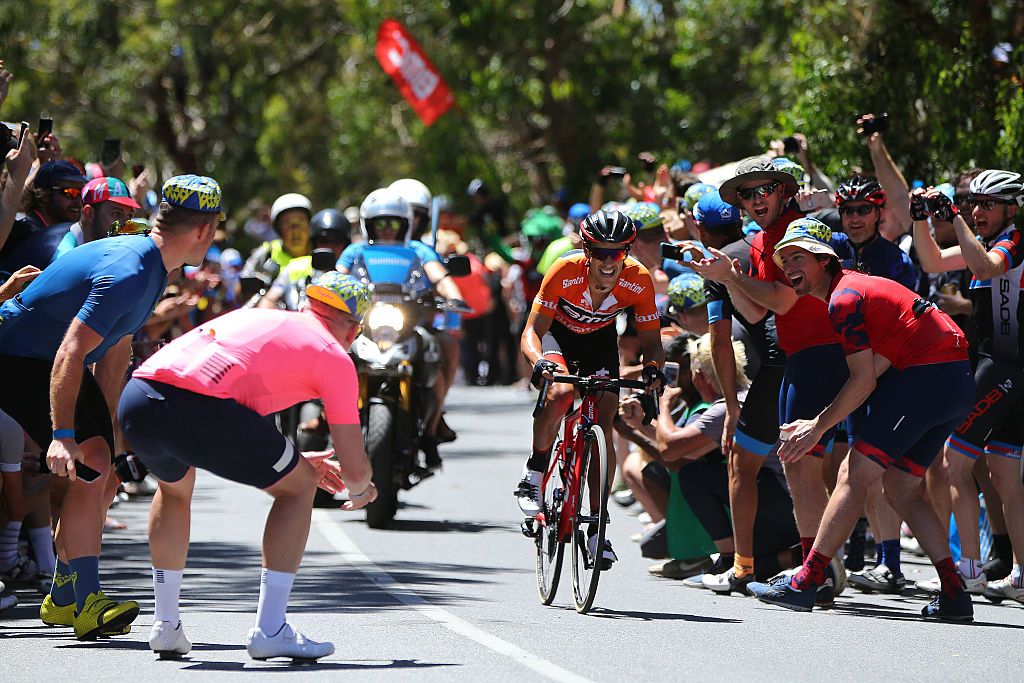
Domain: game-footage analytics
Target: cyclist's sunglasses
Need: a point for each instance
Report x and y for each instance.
(388, 223)
(603, 254)
(129, 227)
(69, 192)
(862, 210)
(985, 204)
(759, 191)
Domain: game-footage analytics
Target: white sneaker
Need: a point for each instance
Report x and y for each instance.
(608, 555)
(1003, 589)
(528, 492)
(168, 641)
(973, 586)
(286, 643)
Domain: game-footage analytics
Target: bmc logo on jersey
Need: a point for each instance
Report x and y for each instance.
(584, 316)
(631, 286)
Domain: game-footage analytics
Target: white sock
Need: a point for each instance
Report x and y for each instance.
(41, 541)
(9, 544)
(167, 589)
(1017, 576)
(275, 587)
(969, 568)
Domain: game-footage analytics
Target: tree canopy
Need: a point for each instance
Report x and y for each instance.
(271, 96)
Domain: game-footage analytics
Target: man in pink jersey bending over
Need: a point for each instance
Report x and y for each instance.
(202, 401)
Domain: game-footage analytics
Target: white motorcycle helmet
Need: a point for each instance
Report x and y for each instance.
(420, 200)
(287, 202)
(385, 205)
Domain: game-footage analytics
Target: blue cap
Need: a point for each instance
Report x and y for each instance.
(714, 212)
(194, 192)
(579, 211)
(60, 171)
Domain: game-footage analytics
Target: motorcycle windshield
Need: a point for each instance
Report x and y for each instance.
(396, 264)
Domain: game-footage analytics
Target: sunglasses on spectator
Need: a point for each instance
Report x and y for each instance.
(985, 204)
(862, 210)
(602, 254)
(69, 192)
(759, 191)
(960, 197)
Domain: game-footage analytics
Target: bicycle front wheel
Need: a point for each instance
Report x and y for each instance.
(550, 547)
(590, 519)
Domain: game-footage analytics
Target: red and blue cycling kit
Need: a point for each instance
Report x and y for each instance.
(928, 391)
(815, 366)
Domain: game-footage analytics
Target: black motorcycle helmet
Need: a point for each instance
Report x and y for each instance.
(330, 225)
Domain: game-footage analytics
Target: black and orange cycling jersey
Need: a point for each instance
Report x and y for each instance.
(565, 296)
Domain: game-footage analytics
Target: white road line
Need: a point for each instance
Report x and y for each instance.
(334, 534)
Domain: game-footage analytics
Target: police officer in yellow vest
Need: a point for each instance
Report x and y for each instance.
(290, 215)
(329, 229)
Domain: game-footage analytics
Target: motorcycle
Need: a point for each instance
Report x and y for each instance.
(397, 360)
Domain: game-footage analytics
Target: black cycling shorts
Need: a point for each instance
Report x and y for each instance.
(758, 427)
(595, 353)
(173, 429)
(995, 424)
(26, 397)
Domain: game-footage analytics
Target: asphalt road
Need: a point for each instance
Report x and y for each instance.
(448, 593)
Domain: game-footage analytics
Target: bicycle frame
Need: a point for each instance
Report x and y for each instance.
(576, 424)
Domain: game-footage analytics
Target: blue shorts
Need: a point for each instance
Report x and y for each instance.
(912, 411)
(173, 429)
(813, 378)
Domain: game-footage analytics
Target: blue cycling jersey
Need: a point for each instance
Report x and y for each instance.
(882, 258)
(111, 285)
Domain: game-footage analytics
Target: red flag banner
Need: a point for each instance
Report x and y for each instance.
(417, 79)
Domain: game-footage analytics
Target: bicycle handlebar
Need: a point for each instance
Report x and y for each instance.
(599, 383)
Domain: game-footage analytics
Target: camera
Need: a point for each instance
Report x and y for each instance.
(671, 371)
(878, 124)
(129, 468)
(10, 137)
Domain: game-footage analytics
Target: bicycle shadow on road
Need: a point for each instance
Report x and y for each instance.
(605, 613)
(287, 667)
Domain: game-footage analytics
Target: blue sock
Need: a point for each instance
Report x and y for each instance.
(63, 590)
(86, 571)
(891, 556)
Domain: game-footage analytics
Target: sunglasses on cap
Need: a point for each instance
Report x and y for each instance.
(129, 227)
(862, 210)
(69, 192)
(759, 191)
(985, 204)
(603, 254)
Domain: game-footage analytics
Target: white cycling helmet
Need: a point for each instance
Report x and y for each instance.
(286, 202)
(381, 204)
(413, 191)
(1003, 185)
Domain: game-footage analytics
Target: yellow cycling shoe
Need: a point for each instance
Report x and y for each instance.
(53, 614)
(103, 616)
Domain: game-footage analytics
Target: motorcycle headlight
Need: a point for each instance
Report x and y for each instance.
(384, 323)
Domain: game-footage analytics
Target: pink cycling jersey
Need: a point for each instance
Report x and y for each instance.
(266, 360)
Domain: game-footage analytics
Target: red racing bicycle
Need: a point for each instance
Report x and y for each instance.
(574, 491)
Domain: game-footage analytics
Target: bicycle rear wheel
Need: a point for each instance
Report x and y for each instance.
(550, 548)
(590, 519)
